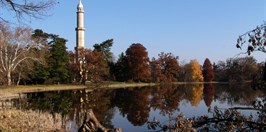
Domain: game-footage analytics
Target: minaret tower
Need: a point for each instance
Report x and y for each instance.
(80, 30)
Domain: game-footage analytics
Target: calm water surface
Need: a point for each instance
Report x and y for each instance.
(131, 108)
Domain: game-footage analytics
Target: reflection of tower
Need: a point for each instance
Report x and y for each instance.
(80, 30)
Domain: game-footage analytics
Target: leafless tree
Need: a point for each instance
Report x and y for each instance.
(16, 48)
(23, 8)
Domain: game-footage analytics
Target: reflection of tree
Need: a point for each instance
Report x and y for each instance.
(167, 99)
(133, 103)
(208, 94)
(195, 94)
(237, 94)
(73, 105)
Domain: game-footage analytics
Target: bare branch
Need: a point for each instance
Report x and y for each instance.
(29, 8)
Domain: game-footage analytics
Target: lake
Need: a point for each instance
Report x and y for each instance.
(131, 108)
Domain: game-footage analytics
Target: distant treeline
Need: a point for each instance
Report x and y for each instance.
(36, 57)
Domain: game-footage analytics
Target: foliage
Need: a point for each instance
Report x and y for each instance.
(32, 9)
(17, 50)
(256, 39)
(96, 66)
(207, 71)
(241, 69)
(53, 51)
(138, 63)
(121, 68)
(223, 120)
(58, 60)
(193, 72)
(105, 47)
(236, 69)
(165, 68)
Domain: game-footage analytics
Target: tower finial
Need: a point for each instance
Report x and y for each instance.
(80, 5)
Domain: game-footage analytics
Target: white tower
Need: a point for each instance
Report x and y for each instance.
(80, 30)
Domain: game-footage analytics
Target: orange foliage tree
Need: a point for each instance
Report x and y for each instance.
(138, 63)
(165, 68)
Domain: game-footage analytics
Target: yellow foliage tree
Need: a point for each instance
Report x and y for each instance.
(193, 72)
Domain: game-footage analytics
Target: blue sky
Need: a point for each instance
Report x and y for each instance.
(190, 29)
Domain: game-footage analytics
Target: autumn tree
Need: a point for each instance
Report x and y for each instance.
(169, 66)
(26, 8)
(138, 62)
(165, 68)
(156, 73)
(96, 67)
(241, 69)
(193, 72)
(16, 49)
(73, 67)
(207, 71)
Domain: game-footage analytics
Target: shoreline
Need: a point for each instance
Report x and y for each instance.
(15, 91)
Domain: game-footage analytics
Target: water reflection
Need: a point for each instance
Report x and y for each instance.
(138, 105)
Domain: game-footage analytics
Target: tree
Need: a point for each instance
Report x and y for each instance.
(156, 74)
(256, 39)
(207, 71)
(165, 68)
(16, 48)
(121, 68)
(55, 55)
(169, 66)
(58, 60)
(32, 9)
(241, 69)
(105, 47)
(96, 66)
(138, 62)
(193, 72)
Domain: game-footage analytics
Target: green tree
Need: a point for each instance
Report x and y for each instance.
(54, 52)
(121, 68)
(58, 60)
(138, 62)
(207, 71)
(105, 47)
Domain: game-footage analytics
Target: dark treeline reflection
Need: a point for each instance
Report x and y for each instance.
(135, 104)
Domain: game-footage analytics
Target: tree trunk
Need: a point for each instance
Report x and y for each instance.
(9, 81)
(91, 124)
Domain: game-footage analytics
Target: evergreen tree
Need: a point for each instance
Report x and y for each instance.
(55, 66)
(58, 60)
